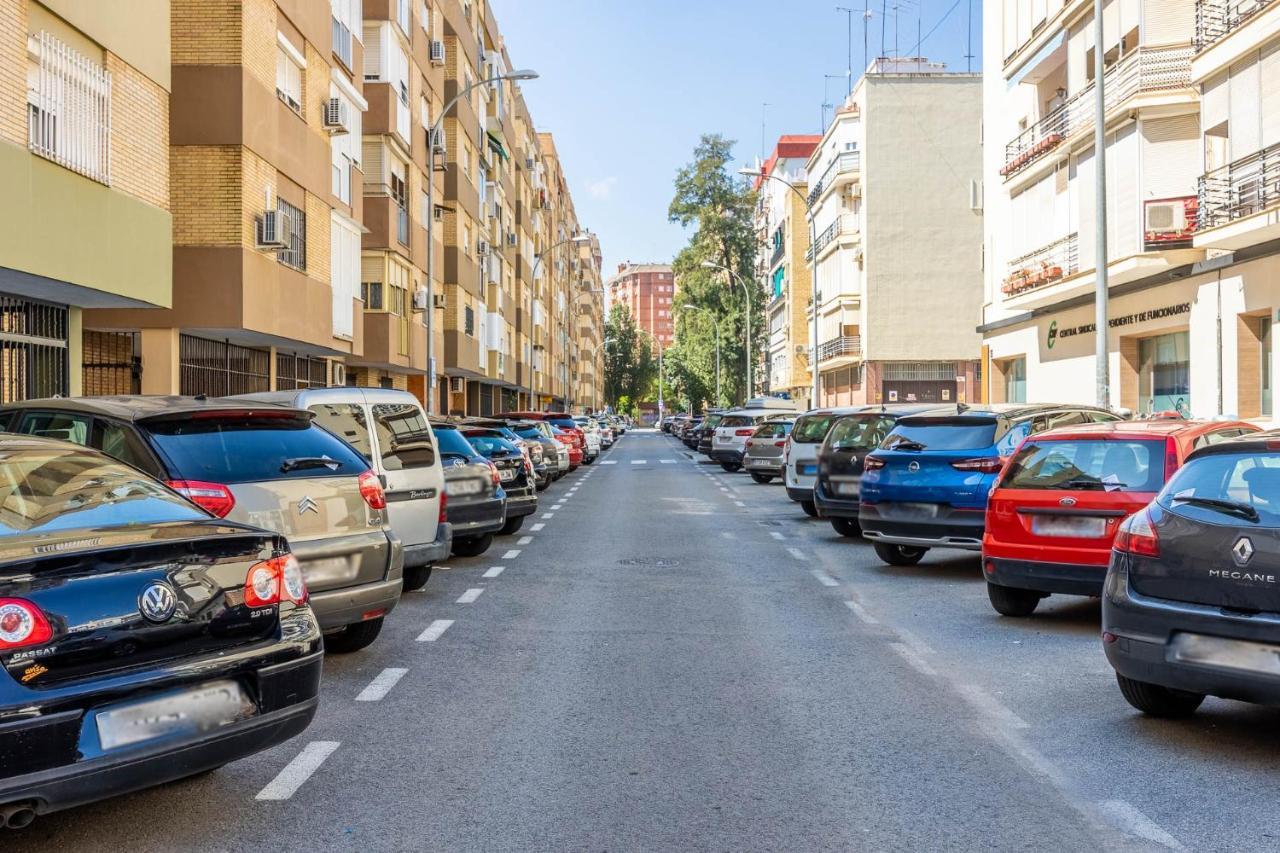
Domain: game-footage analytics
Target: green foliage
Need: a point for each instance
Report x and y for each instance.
(629, 365)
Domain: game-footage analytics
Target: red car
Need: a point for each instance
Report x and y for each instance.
(562, 421)
(1056, 506)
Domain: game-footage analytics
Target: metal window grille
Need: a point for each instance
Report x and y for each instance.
(112, 364)
(33, 350)
(300, 371)
(219, 368)
(296, 240)
(904, 371)
(469, 319)
(69, 108)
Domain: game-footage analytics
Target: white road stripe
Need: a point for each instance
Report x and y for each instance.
(524, 540)
(639, 461)
(493, 572)
(739, 503)
(558, 506)
(824, 578)
(298, 771)
(512, 554)
(470, 595)
(434, 630)
(382, 684)
(547, 515)
(776, 535)
(917, 662)
(861, 613)
(1136, 823)
(668, 461)
(610, 462)
(536, 527)
(796, 552)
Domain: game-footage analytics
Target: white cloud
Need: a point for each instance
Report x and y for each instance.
(602, 188)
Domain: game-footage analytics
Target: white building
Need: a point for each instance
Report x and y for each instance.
(1192, 104)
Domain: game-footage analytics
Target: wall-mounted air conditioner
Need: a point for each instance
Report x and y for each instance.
(482, 248)
(456, 385)
(420, 299)
(336, 118)
(437, 53)
(439, 300)
(273, 227)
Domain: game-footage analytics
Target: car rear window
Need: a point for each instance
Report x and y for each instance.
(529, 432)
(776, 429)
(712, 421)
(453, 443)
(1250, 478)
(564, 423)
(489, 445)
(736, 421)
(812, 429)
(239, 449)
(859, 432)
(1100, 466)
(955, 434)
(404, 439)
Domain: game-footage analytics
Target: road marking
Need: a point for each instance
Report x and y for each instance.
(547, 515)
(824, 578)
(434, 630)
(382, 684)
(536, 527)
(493, 572)
(990, 706)
(861, 613)
(723, 489)
(739, 503)
(776, 535)
(610, 462)
(298, 771)
(917, 663)
(524, 540)
(558, 506)
(796, 552)
(470, 595)
(724, 534)
(639, 461)
(512, 554)
(1136, 823)
(668, 461)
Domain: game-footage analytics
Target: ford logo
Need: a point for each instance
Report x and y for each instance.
(157, 602)
(1067, 502)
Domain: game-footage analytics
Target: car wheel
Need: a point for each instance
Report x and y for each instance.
(512, 525)
(810, 508)
(1158, 701)
(354, 637)
(415, 577)
(543, 485)
(847, 527)
(588, 460)
(899, 555)
(1011, 601)
(472, 546)
(731, 467)
(762, 479)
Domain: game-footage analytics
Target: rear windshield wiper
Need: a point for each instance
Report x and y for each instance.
(1229, 507)
(1090, 483)
(299, 462)
(906, 444)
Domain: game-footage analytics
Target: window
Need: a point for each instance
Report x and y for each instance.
(344, 272)
(400, 195)
(402, 15)
(424, 16)
(295, 255)
(1015, 381)
(68, 108)
(121, 442)
(346, 19)
(63, 426)
(289, 65)
(345, 148)
(371, 293)
(404, 439)
(469, 321)
(347, 421)
(1110, 466)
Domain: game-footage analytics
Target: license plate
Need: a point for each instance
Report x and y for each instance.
(463, 487)
(808, 470)
(327, 570)
(507, 474)
(723, 439)
(191, 711)
(1230, 654)
(1069, 526)
(846, 489)
(913, 510)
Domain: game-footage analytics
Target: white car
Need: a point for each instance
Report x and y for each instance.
(800, 471)
(591, 430)
(729, 443)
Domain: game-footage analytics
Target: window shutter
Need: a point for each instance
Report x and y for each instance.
(1170, 156)
(1123, 214)
(1084, 196)
(1168, 21)
(1270, 100)
(1244, 128)
(1213, 103)
(372, 52)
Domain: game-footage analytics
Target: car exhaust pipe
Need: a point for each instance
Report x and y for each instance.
(17, 815)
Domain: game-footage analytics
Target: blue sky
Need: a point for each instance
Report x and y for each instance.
(628, 86)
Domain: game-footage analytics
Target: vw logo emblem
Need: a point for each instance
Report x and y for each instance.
(913, 466)
(307, 505)
(157, 602)
(1067, 502)
(1242, 551)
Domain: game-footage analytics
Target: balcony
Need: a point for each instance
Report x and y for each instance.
(843, 168)
(1042, 267)
(844, 224)
(779, 249)
(1216, 19)
(1240, 189)
(845, 346)
(1148, 69)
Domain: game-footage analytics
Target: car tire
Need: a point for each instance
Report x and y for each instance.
(472, 546)
(762, 479)
(731, 467)
(354, 637)
(847, 527)
(415, 577)
(1011, 601)
(543, 485)
(588, 461)
(1158, 701)
(899, 555)
(810, 508)
(512, 525)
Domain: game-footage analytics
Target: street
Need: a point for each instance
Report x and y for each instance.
(671, 657)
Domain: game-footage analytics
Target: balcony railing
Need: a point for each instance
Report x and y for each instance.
(1148, 69)
(845, 345)
(1241, 188)
(1044, 266)
(779, 249)
(845, 162)
(1216, 19)
(845, 223)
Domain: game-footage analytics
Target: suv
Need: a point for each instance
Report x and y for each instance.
(477, 504)
(1190, 605)
(1058, 503)
(707, 432)
(389, 429)
(260, 464)
(926, 485)
(800, 456)
(737, 425)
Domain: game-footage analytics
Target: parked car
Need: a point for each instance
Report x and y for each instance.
(763, 456)
(606, 432)
(926, 485)
(665, 423)
(391, 432)
(145, 640)
(801, 456)
(565, 422)
(554, 453)
(852, 436)
(1190, 605)
(515, 473)
(707, 432)
(594, 444)
(572, 443)
(477, 504)
(262, 464)
(737, 425)
(1057, 505)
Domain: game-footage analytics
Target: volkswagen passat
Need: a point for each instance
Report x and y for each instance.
(143, 640)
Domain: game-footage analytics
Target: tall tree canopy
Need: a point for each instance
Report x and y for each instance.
(629, 366)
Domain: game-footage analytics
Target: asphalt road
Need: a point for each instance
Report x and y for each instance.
(674, 658)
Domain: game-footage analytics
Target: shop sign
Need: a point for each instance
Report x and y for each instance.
(1116, 322)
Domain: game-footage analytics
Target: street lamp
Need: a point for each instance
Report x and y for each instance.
(714, 319)
(813, 264)
(523, 74)
(746, 291)
(533, 276)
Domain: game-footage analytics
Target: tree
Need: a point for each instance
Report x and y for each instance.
(629, 366)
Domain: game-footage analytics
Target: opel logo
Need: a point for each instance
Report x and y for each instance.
(1067, 502)
(913, 466)
(307, 505)
(1242, 551)
(157, 602)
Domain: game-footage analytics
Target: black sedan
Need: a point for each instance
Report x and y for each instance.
(515, 472)
(143, 640)
(475, 502)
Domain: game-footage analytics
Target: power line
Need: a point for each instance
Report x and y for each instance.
(940, 21)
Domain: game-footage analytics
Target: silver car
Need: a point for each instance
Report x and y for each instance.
(763, 457)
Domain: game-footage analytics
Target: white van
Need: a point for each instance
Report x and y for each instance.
(390, 430)
(730, 439)
(801, 469)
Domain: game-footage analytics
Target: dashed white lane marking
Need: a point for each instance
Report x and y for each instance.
(723, 489)
(724, 534)
(298, 771)
(512, 554)
(524, 540)
(1136, 823)
(470, 595)
(990, 706)
(861, 613)
(738, 503)
(547, 515)
(776, 535)
(434, 630)
(909, 655)
(493, 572)
(639, 461)
(796, 552)
(558, 506)
(536, 527)
(824, 578)
(668, 461)
(382, 684)
(609, 462)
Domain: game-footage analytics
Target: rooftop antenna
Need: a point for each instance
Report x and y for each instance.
(763, 152)
(884, 17)
(968, 47)
(849, 44)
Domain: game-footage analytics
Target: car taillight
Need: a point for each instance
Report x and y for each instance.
(750, 443)
(262, 585)
(292, 584)
(872, 463)
(211, 497)
(779, 444)
(493, 474)
(983, 464)
(743, 432)
(371, 491)
(444, 512)
(1138, 536)
(22, 624)
(786, 450)
(1170, 457)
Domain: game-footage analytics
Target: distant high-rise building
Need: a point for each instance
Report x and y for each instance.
(648, 291)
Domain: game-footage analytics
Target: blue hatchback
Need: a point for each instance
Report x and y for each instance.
(926, 486)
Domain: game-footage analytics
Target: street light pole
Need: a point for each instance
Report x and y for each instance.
(716, 320)
(1102, 374)
(746, 291)
(525, 74)
(533, 276)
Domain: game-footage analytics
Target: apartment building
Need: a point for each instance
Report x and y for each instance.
(587, 359)
(648, 291)
(86, 221)
(782, 227)
(894, 192)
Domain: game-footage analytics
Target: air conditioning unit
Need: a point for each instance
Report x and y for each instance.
(437, 142)
(437, 53)
(528, 163)
(1166, 218)
(336, 119)
(456, 385)
(339, 374)
(512, 239)
(273, 226)
(437, 212)
(975, 194)
(420, 299)
(482, 247)
(439, 300)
